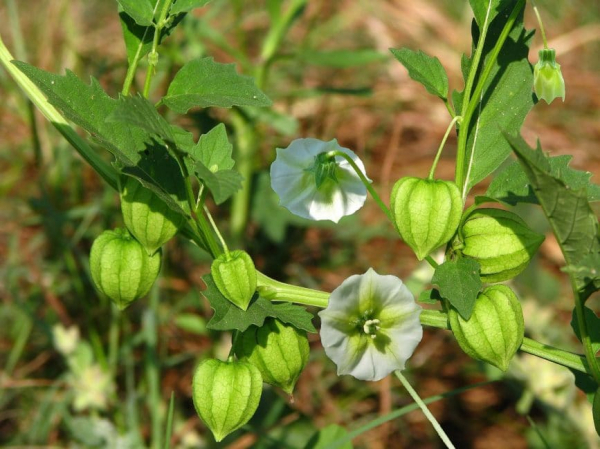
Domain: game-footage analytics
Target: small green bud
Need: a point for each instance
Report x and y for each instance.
(226, 394)
(425, 212)
(147, 217)
(500, 241)
(278, 350)
(495, 329)
(235, 276)
(548, 82)
(121, 268)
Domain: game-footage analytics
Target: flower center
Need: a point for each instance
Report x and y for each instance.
(324, 168)
(370, 327)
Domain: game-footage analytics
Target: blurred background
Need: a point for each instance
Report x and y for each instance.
(76, 373)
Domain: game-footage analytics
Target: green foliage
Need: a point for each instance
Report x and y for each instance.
(568, 211)
(213, 150)
(505, 100)
(228, 316)
(181, 6)
(137, 153)
(511, 185)
(488, 9)
(142, 11)
(424, 69)
(593, 326)
(204, 83)
(458, 281)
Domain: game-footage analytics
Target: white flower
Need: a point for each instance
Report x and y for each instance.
(370, 326)
(316, 185)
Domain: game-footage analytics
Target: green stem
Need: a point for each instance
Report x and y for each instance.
(216, 231)
(279, 291)
(539, 19)
(153, 55)
(364, 180)
(590, 353)
(431, 262)
(440, 149)
(245, 137)
(424, 409)
(470, 102)
(132, 68)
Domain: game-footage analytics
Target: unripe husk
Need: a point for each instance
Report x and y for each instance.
(235, 276)
(147, 217)
(495, 329)
(226, 394)
(425, 212)
(500, 241)
(121, 268)
(278, 350)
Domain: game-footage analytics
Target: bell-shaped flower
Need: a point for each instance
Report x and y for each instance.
(313, 183)
(370, 326)
(548, 82)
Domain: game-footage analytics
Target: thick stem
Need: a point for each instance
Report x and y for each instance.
(279, 291)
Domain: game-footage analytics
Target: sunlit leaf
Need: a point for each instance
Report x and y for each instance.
(425, 69)
(204, 83)
(142, 11)
(505, 100)
(186, 5)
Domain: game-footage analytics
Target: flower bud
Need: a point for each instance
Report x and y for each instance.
(278, 350)
(235, 276)
(147, 217)
(495, 329)
(226, 394)
(500, 241)
(121, 268)
(548, 82)
(425, 212)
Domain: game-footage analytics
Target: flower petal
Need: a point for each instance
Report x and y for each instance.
(378, 300)
(295, 184)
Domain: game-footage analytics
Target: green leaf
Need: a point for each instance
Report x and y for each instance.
(431, 296)
(424, 69)
(138, 111)
(324, 438)
(596, 411)
(138, 38)
(458, 281)
(221, 184)
(593, 326)
(186, 5)
(512, 186)
(489, 9)
(213, 150)
(585, 383)
(137, 153)
(227, 316)
(568, 211)
(505, 100)
(204, 83)
(142, 11)
(340, 59)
